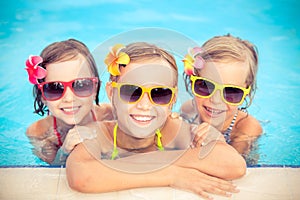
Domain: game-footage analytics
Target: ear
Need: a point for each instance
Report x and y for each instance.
(109, 90)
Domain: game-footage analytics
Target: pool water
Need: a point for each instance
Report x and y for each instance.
(27, 27)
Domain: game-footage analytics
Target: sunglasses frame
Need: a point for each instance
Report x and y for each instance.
(144, 89)
(67, 84)
(219, 87)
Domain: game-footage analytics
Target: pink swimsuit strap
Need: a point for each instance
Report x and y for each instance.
(58, 135)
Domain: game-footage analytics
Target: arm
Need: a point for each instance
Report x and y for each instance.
(87, 174)
(246, 131)
(213, 155)
(223, 161)
(43, 142)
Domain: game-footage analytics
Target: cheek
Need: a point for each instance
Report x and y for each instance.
(231, 110)
(199, 102)
(52, 105)
(119, 106)
(162, 112)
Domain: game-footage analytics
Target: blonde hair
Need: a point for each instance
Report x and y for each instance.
(228, 48)
(140, 51)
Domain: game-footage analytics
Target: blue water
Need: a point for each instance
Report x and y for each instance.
(26, 27)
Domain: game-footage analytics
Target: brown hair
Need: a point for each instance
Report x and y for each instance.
(60, 52)
(228, 48)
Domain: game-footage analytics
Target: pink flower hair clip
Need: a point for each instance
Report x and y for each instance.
(115, 58)
(193, 60)
(33, 69)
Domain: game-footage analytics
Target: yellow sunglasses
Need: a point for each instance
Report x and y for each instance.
(231, 94)
(159, 95)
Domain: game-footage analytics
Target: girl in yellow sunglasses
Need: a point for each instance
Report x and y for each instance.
(146, 146)
(220, 75)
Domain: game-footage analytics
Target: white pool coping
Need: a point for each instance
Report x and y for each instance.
(261, 183)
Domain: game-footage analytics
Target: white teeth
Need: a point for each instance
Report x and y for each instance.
(142, 118)
(70, 109)
(214, 111)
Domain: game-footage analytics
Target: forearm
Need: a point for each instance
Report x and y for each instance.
(43, 149)
(223, 161)
(91, 176)
(60, 158)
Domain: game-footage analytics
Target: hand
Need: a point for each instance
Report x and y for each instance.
(204, 133)
(199, 133)
(202, 184)
(77, 135)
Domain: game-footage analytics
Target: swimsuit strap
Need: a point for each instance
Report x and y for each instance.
(94, 116)
(227, 133)
(159, 144)
(58, 135)
(115, 150)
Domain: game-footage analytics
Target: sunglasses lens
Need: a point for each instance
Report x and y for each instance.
(161, 96)
(203, 87)
(83, 87)
(53, 90)
(233, 95)
(130, 93)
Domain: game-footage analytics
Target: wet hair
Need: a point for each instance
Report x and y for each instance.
(228, 48)
(140, 51)
(60, 52)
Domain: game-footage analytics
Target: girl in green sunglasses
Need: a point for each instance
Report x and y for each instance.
(146, 146)
(221, 75)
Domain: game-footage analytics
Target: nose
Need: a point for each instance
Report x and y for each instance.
(216, 98)
(68, 96)
(144, 103)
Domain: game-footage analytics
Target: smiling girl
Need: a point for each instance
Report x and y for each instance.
(221, 76)
(145, 146)
(66, 83)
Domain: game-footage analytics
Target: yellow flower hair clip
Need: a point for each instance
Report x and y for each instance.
(115, 58)
(193, 60)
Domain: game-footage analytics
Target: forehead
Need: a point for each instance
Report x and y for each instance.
(149, 72)
(234, 73)
(68, 70)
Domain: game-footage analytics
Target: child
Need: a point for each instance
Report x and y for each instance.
(220, 75)
(66, 83)
(142, 91)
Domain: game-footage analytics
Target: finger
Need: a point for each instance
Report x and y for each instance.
(204, 194)
(222, 187)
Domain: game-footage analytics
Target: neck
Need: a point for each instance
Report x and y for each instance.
(87, 119)
(62, 126)
(129, 142)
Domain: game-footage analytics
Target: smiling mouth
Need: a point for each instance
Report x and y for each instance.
(213, 111)
(70, 110)
(142, 118)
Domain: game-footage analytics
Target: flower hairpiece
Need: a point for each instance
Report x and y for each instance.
(34, 70)
(115, 58)
(193, 60)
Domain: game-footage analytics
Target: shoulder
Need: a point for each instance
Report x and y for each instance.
(105, 130)
(188, 111)
(178, 133)
(103, 112)
(246, 123)
(40, 127)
